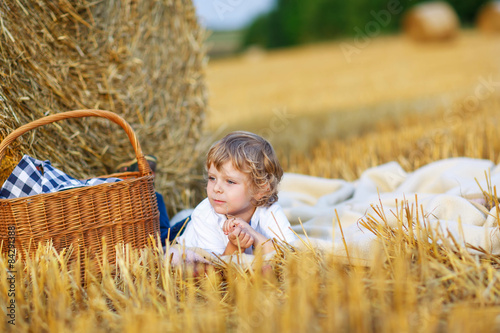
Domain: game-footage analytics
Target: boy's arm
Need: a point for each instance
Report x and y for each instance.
(239, 239)
(230, 249)
(260, 241)
(178, 255)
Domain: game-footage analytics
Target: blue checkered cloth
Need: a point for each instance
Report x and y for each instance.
(32, 176)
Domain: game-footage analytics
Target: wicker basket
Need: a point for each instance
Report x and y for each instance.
(121, 212)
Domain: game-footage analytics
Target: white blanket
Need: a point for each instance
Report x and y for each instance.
(447, 190)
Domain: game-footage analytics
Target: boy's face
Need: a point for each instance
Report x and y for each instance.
(228, 191)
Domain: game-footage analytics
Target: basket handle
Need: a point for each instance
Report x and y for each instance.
(143, 165)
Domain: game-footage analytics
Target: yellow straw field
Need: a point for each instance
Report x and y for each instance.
(418, 283)
(416, 286)
(413, 141)
(319, 90)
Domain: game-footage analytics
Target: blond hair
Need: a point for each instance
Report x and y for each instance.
(252, 155)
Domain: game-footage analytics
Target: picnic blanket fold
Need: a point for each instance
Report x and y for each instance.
(32, 176)
(450, 191)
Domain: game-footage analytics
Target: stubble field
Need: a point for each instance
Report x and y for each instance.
(297, 96)
(400, 101)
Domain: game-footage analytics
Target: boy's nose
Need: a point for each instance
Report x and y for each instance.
(217, 188)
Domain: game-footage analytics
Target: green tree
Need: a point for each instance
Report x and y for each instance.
(294, 22)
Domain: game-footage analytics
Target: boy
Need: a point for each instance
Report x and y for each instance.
(241, 209)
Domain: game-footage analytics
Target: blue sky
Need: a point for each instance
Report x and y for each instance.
(230, 14)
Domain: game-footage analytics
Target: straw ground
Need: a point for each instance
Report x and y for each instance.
(315, 92)
(413, 141)
(417, 285)
(421, 282)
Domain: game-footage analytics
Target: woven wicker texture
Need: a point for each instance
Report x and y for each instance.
(121, 212)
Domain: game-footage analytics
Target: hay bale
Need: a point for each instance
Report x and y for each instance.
(431, 21)
(143, 60)
(488, 18)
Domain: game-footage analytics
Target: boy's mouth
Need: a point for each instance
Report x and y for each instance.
(218, 201)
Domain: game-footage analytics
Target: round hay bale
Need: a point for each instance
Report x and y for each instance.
(254, 53)
(488, 18)
(431, 21)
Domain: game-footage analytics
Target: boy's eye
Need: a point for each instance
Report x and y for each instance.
(211, 178)
(230, 182)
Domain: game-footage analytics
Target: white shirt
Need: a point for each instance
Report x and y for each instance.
(205, 228)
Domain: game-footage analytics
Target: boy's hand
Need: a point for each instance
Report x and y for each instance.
(234, 222)
(240, 231)
(178, 256)
(229, 225)
(241, 237)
